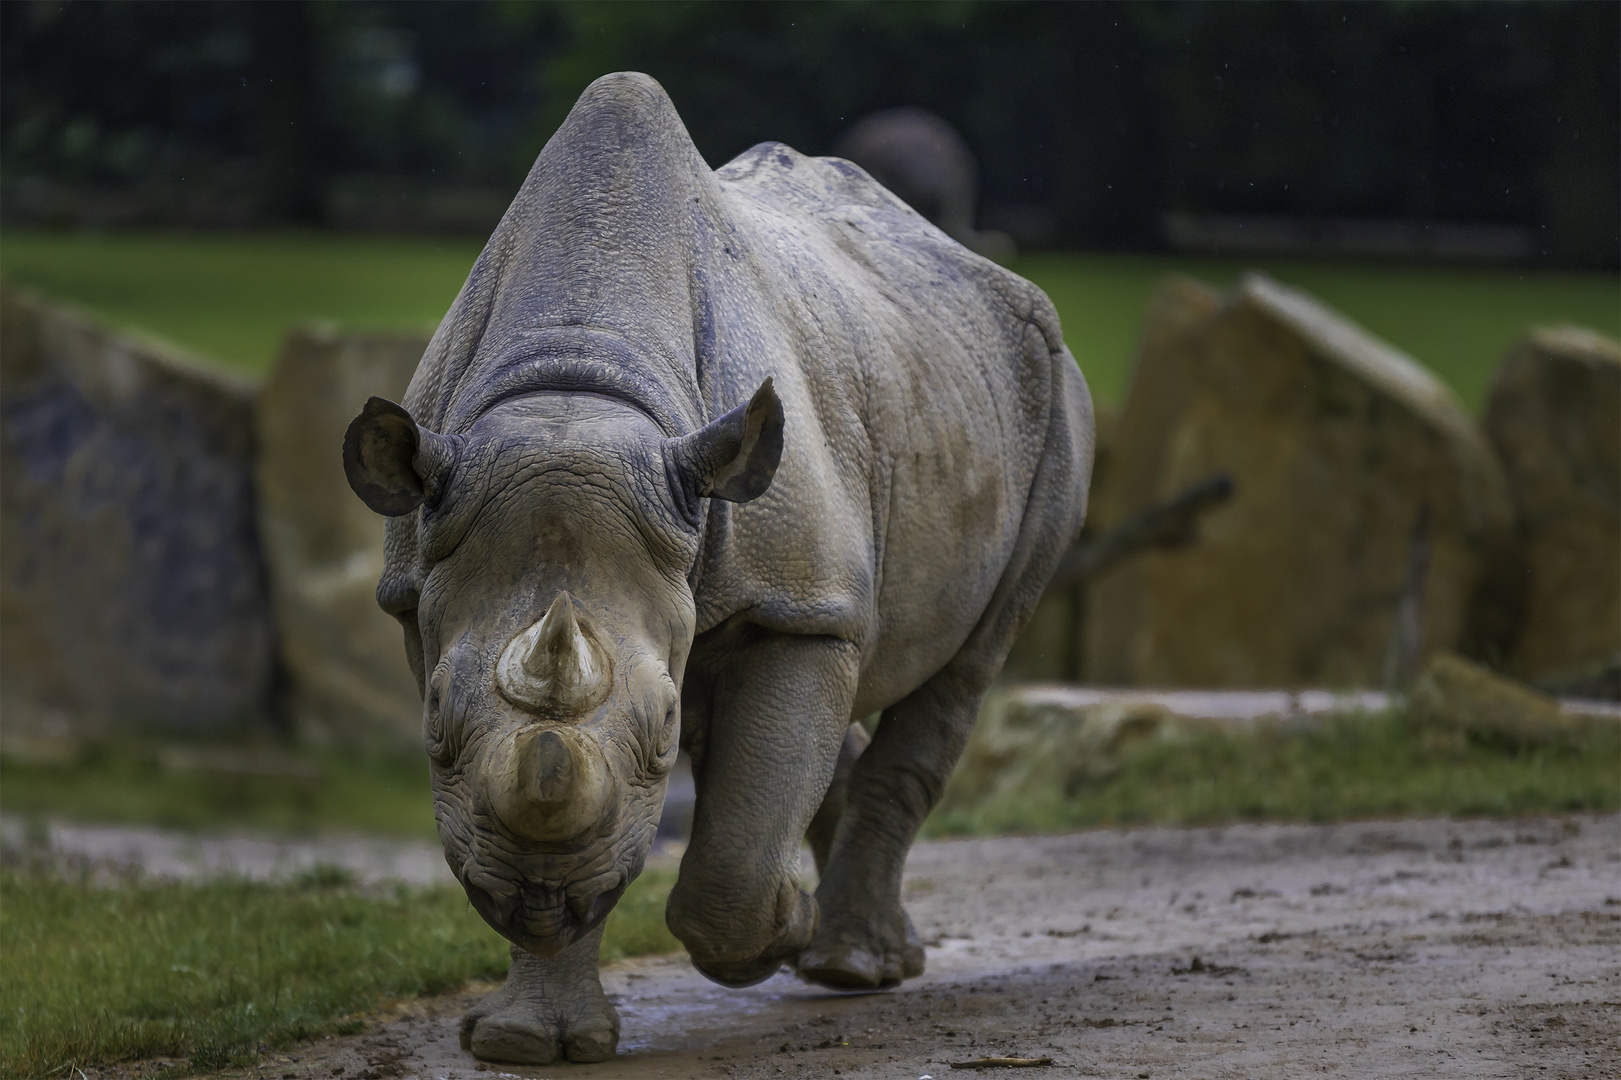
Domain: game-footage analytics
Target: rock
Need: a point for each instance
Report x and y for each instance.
(132, 587)
(346, 666)
(1455, 697)
(1554, 417)
(1031, 746)
(1334, 441)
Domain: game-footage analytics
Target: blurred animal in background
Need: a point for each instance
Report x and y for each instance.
(924, 160)
(707, 458)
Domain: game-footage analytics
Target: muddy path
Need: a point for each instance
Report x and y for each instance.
(1411, 948)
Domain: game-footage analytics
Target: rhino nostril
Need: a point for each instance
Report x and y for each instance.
(583, 905)
(497, 909)
(590, 905)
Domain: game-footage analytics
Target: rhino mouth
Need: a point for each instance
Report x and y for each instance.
(542, 920)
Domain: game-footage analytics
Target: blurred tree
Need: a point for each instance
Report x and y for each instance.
(284, 109)
(1090, 120)
(1111, 196)
(1580, 173)
(120, 92)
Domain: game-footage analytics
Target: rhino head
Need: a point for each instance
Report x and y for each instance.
(548, 617)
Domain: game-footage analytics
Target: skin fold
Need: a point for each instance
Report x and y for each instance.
(721, 460)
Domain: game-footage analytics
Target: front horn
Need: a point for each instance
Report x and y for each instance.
(556, 667)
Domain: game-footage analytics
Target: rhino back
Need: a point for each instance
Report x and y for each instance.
(920, 381)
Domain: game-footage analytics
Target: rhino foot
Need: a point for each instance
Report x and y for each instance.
(542, 1014)
(862, 954)
(741, 973)
(798, 914)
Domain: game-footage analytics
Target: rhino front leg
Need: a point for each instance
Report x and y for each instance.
(550, 1007)
(778, 708)
(865, 940)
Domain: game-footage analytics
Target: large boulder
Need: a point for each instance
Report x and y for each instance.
(1335, 442)
(1457, 700)
(1554, 417)
(132, 589)
(347, 673)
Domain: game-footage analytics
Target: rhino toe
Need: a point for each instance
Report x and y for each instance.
(862, 959)
(548, 1010)
(514, 1040)
(595, 1042)
(843, 967)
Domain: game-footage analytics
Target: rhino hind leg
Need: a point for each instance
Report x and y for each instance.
(865, 940)
(824, 826)
(548, 1009)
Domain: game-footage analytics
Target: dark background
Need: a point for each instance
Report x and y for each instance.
(1091, 121)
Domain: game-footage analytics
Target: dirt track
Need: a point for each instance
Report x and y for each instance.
(1418, 948)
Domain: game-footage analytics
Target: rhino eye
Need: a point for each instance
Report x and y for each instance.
(436, 734)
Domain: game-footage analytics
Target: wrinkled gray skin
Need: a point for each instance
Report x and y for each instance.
(752, 453)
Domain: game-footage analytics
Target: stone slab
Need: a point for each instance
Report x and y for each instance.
(1335, 441)
(132, 586)
(347, 671)
(1554, 418)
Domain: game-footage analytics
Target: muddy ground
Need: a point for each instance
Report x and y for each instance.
(1403, 948)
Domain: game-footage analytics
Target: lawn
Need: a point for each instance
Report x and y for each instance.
(1458, 321)
(232, 297)
(1345, 768)
(210, 973)
(1348, 767)
(378, 791)
(216, 973)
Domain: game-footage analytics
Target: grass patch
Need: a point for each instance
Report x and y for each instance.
(1345, 768)
(381, 791)
(636, 925)
(233, 296)
(215, 973)
(1457, 321)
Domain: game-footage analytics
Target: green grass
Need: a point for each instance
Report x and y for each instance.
(233, 296)
(380, 791)
(1458, 321)
(1348, 767)
(215, 973)
(1344, 769)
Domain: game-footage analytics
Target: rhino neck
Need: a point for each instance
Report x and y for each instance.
(582, 359)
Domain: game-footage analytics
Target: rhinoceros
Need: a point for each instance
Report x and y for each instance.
(723, 460)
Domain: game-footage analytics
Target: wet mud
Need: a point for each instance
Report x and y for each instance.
(1371, 949)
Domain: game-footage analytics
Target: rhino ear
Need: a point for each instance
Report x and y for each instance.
(392, 463)
(734, 457)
